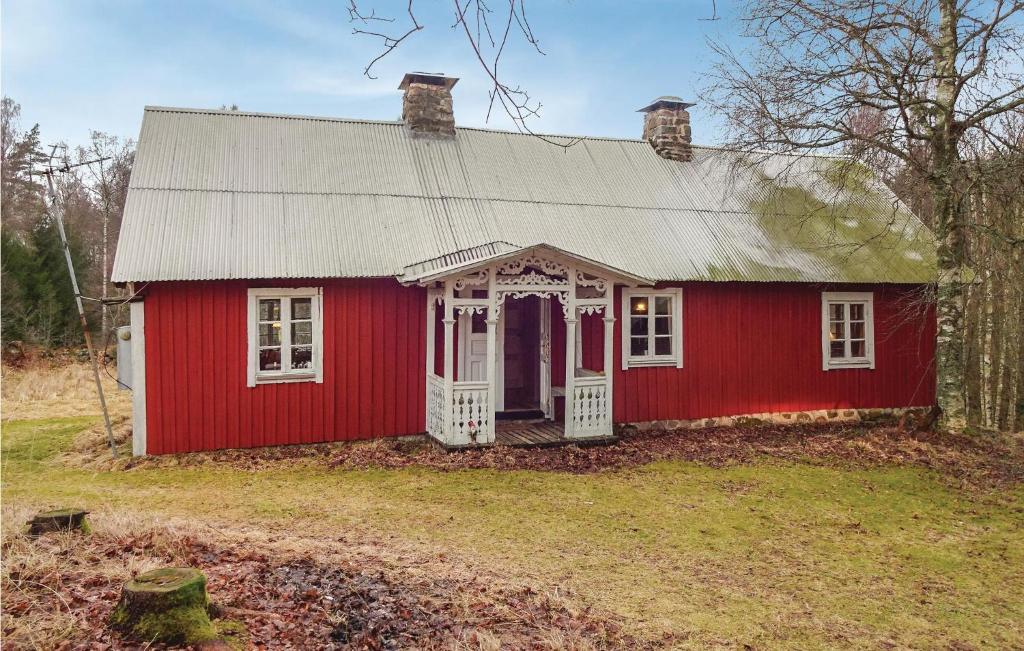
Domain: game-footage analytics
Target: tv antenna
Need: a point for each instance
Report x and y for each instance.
(53, 208)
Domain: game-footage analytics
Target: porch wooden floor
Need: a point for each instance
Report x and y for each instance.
(520, 433)
(533, 434)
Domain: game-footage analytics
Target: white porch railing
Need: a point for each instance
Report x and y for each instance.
(435, 406)
(591, 407)
(471, 414)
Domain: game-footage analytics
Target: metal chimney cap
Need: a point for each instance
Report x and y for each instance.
(430, 78)
(666, 101)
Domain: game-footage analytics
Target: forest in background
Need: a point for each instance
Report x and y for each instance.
(38, 304)
(37, 299)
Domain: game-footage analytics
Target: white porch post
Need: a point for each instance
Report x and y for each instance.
(429, 369)
(570, 353)
(609, 351)
(449, 366)
(492, 352)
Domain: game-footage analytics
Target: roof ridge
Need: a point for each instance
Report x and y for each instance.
(399, 123)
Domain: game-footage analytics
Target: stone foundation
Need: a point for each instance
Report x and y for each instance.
(888, 415)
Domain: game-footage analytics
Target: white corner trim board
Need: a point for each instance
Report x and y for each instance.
(137, 313)
(284, 323)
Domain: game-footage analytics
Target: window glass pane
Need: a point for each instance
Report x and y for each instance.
(837, 349)
(856, 311)
(270, 334)
(638, 326)
(857, 330)
(638, 305)
(835, 311)
(857, 349)
(663, 345)
(478, 323)
(270, 359)
(270, 309)
(662, 325)
(302, 357)
(638, 346)
(837, 331)
(302, 333)
(662, 305)
(302, 308)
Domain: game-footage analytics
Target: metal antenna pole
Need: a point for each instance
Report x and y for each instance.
(55, 213)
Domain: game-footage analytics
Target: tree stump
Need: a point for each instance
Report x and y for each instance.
(167, 605)
(59, 520)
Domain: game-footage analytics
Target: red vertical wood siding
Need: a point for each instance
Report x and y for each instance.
(748, 348)
(756, 347)
(196, 355)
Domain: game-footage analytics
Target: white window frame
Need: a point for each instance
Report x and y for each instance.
(256, 376)
(829, 363)
(676, 357)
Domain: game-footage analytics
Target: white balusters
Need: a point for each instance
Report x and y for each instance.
(471, 414)
(435, 405)
(591, 410)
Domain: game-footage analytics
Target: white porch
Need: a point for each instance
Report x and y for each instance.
(475, 291)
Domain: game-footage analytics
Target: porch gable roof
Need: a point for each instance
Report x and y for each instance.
(484, 255)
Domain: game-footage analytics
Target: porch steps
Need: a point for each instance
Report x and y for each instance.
(532, 433)
(520, 414)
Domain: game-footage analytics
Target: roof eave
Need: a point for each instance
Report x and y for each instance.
(426, 278)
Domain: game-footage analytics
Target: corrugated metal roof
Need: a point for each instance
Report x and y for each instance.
(224, 194)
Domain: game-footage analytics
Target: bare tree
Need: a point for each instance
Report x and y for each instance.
(488, 33)
(107, 180)
(908, 80)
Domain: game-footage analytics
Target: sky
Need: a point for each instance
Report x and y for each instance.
(81, 65)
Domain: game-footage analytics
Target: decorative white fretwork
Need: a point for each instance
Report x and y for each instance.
(600, 284)
(517, 265)
(591, 407)
(531, 278)
(562, 294)
(435, 406)
(471, 414)
(590, 308)
(471, 309)
(479, 278)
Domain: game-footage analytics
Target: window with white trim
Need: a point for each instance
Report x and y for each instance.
(847, 330)
(652, 327)
(285, 335)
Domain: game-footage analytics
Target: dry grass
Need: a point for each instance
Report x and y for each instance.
(45, 390)
(39, 575)
(286, 591)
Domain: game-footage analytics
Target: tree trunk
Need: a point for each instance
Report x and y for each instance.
(167, 605)
(975, 307)
(59, 520)
(951, 396)
(949, 232)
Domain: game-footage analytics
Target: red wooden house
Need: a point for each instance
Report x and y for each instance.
(305, 279)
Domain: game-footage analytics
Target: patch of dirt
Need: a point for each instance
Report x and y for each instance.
(59, 590)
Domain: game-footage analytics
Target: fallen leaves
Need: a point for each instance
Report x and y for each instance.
(282, 603)
(972, 460)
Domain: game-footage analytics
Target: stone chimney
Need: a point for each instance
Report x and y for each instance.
(427, 103)
(667, 128)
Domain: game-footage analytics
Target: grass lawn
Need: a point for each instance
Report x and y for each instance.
(771, 553)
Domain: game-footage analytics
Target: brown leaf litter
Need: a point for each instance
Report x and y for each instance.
(980, 460)
(59, 590)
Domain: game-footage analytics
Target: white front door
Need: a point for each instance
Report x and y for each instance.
(472, 347)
